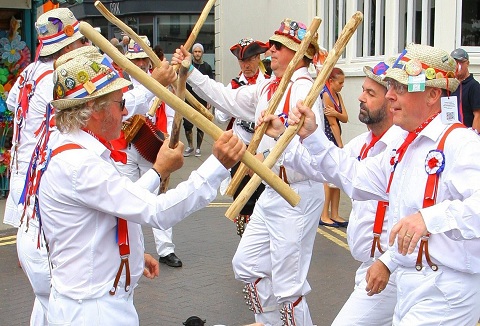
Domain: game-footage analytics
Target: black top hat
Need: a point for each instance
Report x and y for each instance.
(247, 48)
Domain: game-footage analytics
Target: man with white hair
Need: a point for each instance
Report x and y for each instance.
(57, 34)
(92, 215)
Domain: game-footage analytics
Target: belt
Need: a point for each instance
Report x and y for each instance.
(246, 125)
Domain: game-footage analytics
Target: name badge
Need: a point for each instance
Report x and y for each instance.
(449, 112)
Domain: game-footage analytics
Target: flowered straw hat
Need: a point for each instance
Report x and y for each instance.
(378, 72)
(83, 75)
(56, 29)
(291, 33)
(135, 51)
(247, 48)
(419, 64)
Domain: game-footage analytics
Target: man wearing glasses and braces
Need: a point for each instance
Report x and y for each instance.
(430, 180)
(57, 34)
(274, 254)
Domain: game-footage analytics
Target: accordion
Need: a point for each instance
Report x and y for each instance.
(142, 134)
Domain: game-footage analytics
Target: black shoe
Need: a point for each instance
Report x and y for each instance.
(343, 224)
(333, 225)
(171, 260)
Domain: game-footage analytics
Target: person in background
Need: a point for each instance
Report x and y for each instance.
(115, 41)
(468, 93)
(248, 53)
(125, 43)
(91, 214)
(138, 101)
(206, 69)
(29, 97)
(334, 113)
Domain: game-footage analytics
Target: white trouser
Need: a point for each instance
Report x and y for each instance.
(277, 248)
(445, 297)
(34, 262)
(135, 167)
(115, 310)
(163, 242)
(363, 310)
(38, 317)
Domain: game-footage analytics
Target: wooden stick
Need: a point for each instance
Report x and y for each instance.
(181, 90)
(272, 105)
(291, 131)
(124, 27)
(152, 55)
(178, 105)
(177, 120)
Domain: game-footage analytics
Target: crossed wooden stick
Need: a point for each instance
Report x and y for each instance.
(262, 170)
(332, 58)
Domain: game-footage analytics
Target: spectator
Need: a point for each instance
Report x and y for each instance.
(468, 93)
(205, 69)
(334, 113)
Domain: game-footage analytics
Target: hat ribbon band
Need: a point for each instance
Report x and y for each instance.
(60, 36)
(99, 82)
(293, 38)
(425, 66)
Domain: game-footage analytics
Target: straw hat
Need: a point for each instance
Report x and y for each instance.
(83, 75)
(56, 29)
(247, 48)
(436, 65)
(291, 33)
(378, 72)
(135, 51)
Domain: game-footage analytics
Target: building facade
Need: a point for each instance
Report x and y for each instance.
(387, 27)
(164, 22)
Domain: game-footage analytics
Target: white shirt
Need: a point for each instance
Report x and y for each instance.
(137, 100)
(80, 194)
(247, 102)
(42, 95)
(453, 222)
(362, 215)
(223, 117)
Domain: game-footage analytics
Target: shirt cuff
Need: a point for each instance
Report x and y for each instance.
(149, 180)
(213, 170)
(386, 258)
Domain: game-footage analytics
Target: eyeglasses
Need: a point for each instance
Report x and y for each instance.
(122, 104)
(278, 46)
(398, 87)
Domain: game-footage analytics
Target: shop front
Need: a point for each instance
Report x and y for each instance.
(17, 47)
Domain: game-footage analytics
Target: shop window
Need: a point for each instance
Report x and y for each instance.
(470, 23)
(14, 57)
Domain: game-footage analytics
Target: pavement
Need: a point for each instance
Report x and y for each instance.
(205, 285)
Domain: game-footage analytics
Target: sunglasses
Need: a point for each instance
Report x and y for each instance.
(122, 104)
(84, 40)
(278, 46)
